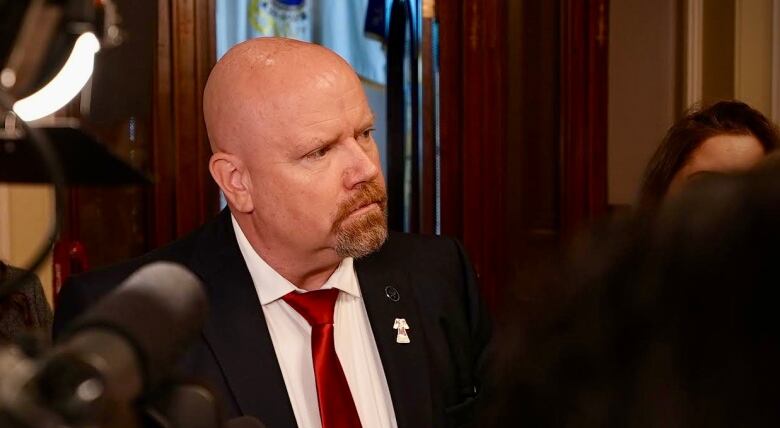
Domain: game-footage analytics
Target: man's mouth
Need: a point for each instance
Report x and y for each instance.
(370, 197)
(364, 209)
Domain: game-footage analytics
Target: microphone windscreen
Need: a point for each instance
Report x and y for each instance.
(159, 309)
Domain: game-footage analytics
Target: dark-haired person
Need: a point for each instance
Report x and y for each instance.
(726, 136)
(24, 309)
(662, 327)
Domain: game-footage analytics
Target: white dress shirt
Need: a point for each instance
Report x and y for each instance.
(291, 337)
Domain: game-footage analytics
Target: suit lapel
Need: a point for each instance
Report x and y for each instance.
(236, 330)
(405, 365)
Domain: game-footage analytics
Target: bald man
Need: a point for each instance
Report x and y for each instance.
(293, 153)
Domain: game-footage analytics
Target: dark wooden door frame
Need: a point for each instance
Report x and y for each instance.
(584, 63)
(184, 195)
(473, 132)
(473, 126)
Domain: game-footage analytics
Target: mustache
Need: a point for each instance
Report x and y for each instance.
(369, 193)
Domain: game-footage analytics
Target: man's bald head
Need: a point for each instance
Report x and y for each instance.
(257, 78)
(294, 155)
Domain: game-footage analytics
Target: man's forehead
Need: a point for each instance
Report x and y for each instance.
(321, 97)
(304, 87)
(330, 125)
(300, 123)
(301, 100)
(335, 121)
(285, 82)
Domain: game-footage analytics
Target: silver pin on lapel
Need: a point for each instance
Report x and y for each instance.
(392, 293)
(401, 325)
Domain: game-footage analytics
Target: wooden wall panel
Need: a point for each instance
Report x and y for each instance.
(520, 194)
(450, 15)
(428, 155)
(185, 196)
(473, 136)
(533, 125)
(163, 151)
(583, 112)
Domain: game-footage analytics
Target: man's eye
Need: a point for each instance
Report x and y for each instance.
(319, 153)
(367, 133)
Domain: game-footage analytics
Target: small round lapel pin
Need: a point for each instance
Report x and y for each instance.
(392, 293)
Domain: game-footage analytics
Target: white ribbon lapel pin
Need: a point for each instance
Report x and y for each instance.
(401, 325)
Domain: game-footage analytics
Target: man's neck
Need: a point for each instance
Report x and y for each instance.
(306, 271)
(312, 280)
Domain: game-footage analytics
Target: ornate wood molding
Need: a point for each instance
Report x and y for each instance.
(694, 34)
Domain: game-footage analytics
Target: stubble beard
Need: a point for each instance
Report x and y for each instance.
(360, 236)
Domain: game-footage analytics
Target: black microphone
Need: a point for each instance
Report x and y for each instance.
(125, 345)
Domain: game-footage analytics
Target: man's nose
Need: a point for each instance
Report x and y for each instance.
(362, 167)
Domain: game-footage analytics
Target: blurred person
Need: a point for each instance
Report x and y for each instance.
(726, 136)
(318, 316)
(25, 310)
(666, 322)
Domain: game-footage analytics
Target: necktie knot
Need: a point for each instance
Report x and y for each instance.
(315, 306)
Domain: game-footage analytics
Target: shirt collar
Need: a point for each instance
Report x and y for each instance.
(271, 286)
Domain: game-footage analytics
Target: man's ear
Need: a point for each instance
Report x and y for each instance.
(233, 178)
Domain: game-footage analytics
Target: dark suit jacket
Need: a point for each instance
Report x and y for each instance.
(434, 380)
(24, 310)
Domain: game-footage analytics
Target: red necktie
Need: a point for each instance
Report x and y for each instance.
(337, 408)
